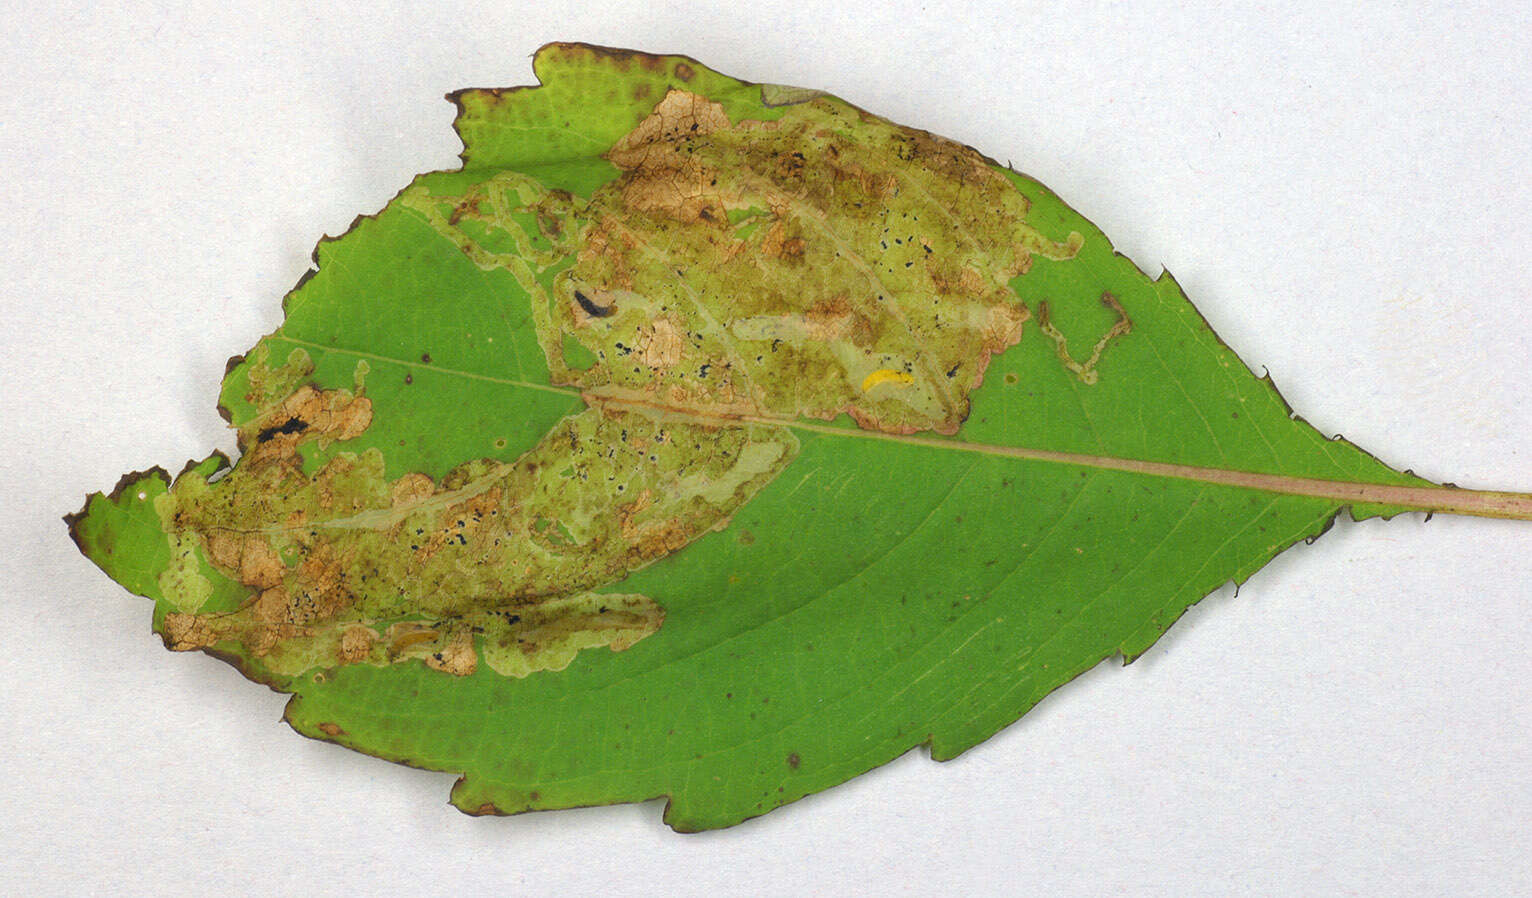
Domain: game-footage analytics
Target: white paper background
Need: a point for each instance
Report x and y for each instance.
(1343, 192)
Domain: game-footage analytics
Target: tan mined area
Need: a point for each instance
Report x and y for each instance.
(457, 657)
(492, 566)
(307, 413)
(794, 259)
(664, 178)
(247, 553)
(1003, 329)
(778, 245)
(412, 488)
(736, 274)
(356, 643)
(660, 344)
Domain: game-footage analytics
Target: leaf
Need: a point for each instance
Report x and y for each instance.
(716, 441)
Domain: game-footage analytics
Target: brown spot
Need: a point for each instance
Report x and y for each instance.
(954, 280)
(776, 244)
(331, 729)
(620, 59)
(1003, 327)
(663, 176)
(223, 548)
(835, 319)
(867, 420)
(951, 159)
(627, 514)
(259, 565)
(321, 578)
(411, 488)
(793, 760)
(272, 606)
(305, 414)
(261, 640)
(679, 116)
(460, 523)
(609, 244)
(660, 538)
(684, 71)
(185, 632)
(356, 644)
(457, 657)
(660, 344)
(1022, 261)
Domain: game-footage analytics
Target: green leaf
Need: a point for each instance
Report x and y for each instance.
(721, 442)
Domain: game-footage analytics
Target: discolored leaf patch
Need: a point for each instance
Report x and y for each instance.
(346, 566)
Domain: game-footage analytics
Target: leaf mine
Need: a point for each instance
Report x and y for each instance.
(349, 567)
(777, 269)
(871, 294)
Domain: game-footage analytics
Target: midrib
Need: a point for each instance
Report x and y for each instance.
(1435, 499)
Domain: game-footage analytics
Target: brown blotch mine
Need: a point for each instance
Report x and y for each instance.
(912, 241)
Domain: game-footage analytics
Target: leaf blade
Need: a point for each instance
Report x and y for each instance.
(594, 732)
